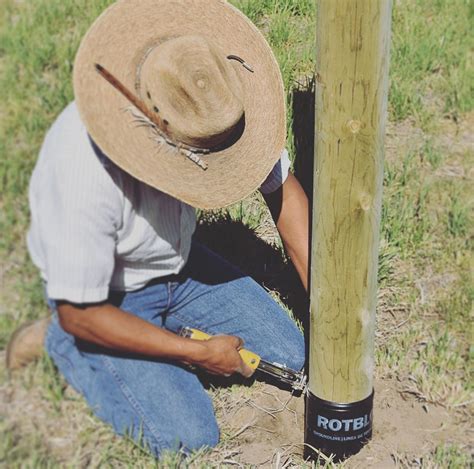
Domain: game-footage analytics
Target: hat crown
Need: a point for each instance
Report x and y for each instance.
(194, 88)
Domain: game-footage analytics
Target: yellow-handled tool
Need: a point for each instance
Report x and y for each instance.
(297, 379)
(251, 359)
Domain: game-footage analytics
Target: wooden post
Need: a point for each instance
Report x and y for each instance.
(353, 38)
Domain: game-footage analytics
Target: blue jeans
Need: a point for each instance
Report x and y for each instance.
(161, 402)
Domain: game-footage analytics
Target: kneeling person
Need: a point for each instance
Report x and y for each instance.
(167, 118)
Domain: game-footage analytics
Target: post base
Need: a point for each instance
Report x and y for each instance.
(338, 429)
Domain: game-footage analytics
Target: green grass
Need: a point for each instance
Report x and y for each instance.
(430, 59)
(17, 452)
(427, 228)
(444, 456)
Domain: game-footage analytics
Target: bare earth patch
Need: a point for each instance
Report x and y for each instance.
(274, 425)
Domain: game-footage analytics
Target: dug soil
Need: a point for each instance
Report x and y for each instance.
(271, 426)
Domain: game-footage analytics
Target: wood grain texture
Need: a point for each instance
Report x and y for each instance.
(353, 42)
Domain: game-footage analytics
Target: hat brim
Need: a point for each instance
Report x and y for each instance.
(119, 37)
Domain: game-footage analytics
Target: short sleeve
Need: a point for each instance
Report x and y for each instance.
(278, 175)
(76, 213)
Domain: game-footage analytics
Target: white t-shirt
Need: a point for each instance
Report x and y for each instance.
(94, 227)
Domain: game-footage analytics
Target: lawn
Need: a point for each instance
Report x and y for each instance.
(425, 269)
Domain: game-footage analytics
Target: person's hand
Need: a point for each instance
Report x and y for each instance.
(220, 356)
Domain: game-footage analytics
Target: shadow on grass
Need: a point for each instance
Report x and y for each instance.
(264, 262)
(303, 107)
(303, 130)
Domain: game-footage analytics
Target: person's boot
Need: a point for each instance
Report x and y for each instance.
(26, 344)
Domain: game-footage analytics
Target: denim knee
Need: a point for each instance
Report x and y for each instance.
(207, 437)
(188, 440)
(296, 353)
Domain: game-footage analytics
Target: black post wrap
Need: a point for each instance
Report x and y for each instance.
(338, 429)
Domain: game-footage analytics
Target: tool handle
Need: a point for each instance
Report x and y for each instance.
(251, 359)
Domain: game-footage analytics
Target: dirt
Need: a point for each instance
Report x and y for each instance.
(452, 137)
(274, 428)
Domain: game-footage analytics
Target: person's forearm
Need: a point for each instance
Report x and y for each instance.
(113, 328)
(290, 209)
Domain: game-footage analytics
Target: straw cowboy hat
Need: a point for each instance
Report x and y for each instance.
(184, 95)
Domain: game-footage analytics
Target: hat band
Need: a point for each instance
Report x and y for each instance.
(159, 126)
(154, 121)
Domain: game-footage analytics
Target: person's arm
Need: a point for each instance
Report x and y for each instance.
(108, 326)
(290, 210)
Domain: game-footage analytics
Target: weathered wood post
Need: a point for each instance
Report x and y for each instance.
(353, 38)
